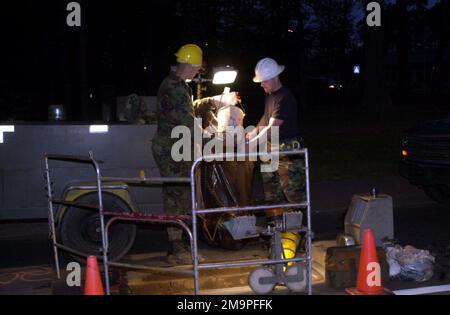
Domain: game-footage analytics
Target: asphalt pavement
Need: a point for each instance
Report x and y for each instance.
(418, 221)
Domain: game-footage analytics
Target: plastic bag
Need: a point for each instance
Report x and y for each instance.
(410, 263)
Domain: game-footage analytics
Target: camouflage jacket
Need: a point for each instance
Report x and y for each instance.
(135, 111)
(175, 108)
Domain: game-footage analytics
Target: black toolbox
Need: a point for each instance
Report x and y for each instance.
(342, 264)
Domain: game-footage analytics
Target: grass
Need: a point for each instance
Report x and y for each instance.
(355, 143)
(351, 156)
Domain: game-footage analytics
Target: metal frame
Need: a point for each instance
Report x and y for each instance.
(164, 219)
(51, 200)
(195, 212)
(116, 216)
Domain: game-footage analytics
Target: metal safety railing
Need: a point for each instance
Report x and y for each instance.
(114, 216)
(51, 201)
(165, 219)
(195, 212)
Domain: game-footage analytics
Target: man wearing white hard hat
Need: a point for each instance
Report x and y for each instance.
(286, 184)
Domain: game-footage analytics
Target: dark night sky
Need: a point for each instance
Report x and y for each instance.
(129, 46)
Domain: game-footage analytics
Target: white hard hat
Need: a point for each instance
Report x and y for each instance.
(267, 69)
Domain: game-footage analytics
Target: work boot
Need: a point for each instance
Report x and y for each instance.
(179, 254)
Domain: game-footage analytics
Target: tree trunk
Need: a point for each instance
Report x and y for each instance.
(375, 95)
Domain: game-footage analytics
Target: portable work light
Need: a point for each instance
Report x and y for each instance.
(224, 75)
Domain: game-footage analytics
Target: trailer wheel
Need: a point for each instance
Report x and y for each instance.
(80, 228)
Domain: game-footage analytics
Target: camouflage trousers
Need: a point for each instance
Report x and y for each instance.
(288, 182)
(176, 197)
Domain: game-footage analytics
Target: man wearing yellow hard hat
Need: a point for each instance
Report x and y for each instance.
(176, 108)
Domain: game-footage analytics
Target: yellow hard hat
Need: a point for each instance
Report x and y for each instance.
(191, 54)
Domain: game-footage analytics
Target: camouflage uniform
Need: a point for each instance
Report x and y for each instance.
(175, 108)
(287, 184)
(135, 110)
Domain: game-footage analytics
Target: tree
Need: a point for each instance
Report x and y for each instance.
(438, 21)
(375, 96)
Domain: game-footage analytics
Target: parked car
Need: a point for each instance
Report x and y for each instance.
(425, 160)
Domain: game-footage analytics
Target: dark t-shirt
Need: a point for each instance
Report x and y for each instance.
(282, 105)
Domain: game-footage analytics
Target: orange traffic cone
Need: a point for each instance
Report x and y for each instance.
(369, 273)
(93, 284)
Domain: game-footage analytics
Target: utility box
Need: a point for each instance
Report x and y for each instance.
(370, 211)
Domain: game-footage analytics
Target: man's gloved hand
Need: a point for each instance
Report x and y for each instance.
(225, 99)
